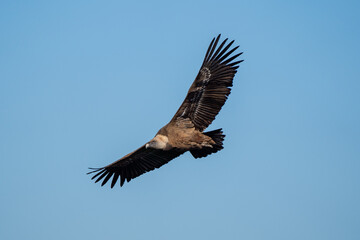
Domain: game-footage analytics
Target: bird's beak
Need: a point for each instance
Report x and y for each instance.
(147, 145)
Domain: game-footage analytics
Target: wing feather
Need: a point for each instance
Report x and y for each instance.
(107, 178)
(115, 178)
(133, 165)
(212, 86)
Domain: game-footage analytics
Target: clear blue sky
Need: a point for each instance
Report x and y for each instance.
(85, 82)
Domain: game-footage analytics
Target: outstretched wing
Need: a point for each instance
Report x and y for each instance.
(211, 87)
(134, 164)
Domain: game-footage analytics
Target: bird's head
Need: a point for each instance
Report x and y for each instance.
(158, 142)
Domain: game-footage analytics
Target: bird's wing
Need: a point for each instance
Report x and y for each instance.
(134, 164)
(212, 85)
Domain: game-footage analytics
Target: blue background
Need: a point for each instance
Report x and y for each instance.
(85, 82)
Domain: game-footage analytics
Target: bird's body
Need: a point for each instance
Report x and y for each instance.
(185, 131)
(181, 135)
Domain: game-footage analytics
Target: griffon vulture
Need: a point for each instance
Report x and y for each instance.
(185, 131)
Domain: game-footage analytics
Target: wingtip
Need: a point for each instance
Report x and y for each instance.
(93, 170)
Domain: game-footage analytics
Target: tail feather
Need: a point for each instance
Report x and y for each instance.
(218, 137)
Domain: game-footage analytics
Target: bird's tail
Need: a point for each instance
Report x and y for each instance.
(218, 137)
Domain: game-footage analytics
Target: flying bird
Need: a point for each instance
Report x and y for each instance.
(185, 131)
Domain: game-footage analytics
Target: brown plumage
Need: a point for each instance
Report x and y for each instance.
(184, 132)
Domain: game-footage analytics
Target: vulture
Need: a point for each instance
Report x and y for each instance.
(185, 131)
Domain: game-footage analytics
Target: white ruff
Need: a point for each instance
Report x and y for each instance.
(160, 141)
